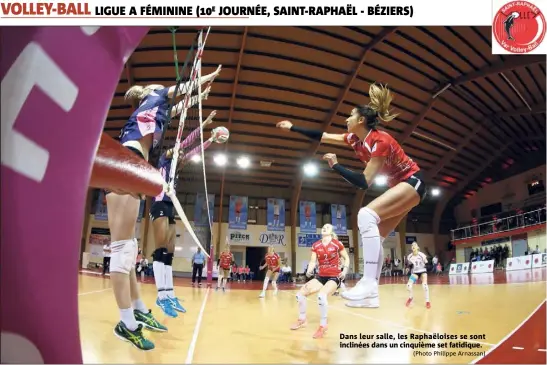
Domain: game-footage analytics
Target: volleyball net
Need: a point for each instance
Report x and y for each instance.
(188, 133)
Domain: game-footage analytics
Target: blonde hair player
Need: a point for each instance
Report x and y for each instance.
(224, 263)
(380, 153)
(140, 134)
(326, 252)
(417, 261)
(273, 262)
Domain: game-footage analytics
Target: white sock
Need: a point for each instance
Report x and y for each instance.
(426, 291)
(159, 277)
(323, 308)
(265, 286)
(219, 281)
(140, 306)
(368, 222)
(380, 259)
(302, 304)
(224, 282)
(128, 318)
(409, 288)
(169, 291)
(274, 285)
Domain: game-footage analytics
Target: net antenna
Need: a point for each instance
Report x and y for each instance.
(194, 73)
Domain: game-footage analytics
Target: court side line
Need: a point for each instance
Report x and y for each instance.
(509, 334)
(93, 292)
(383, 321)
(192, 347)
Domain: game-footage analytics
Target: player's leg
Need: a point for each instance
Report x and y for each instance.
(226, 275)
(411, 281)
(311, 287)
(123, 211)
(200, 273)
(143, 315)
(392, 203)
(322, 300)
(160, 224)
(169, 287)
(426, 290)
(269, 274)
(274, 281)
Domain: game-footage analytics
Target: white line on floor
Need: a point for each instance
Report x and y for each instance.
(518, 348)
(93, 292)
(510, 333)
(192, 347)
(383, 321)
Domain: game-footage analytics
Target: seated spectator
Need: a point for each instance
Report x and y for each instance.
(285, 273)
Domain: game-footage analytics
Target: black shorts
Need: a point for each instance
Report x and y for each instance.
(419, 274)
(163, 209)
(135, 151)
(417, 182)
(324, 279)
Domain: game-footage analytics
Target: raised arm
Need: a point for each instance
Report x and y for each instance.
(183, 88)
(323, 137)
(359, 179)
(195, 133)
(193, 101)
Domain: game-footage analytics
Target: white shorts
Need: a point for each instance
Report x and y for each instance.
(124, 256)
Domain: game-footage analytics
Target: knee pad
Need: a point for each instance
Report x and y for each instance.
(300, 297)
(322, 299)
(409, 285)
(168, 258)
(123, 257)
(158, 254)
(368, 221)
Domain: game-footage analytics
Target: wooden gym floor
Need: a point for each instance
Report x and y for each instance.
(238, 327)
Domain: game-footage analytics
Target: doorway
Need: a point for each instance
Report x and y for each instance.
(254, 257)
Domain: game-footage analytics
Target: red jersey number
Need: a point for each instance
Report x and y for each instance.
(328, 257)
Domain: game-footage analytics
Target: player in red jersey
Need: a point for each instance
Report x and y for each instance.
(380, 153)
(273, 262)
(224, 263)
(327, 252)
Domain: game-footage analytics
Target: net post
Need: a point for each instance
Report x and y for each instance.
(210, 262)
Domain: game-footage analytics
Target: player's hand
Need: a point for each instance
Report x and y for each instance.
(284, 125)
(205, 93)
(331, 159)
(209, 119)
(217, 71)
(343, 274)
(309, 274)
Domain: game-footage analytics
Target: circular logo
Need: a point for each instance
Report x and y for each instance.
(527, 262)
(519, 27)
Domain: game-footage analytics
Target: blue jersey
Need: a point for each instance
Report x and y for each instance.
(150, 117)
(164, 165)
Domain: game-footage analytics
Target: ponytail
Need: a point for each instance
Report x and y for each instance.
(137, 92)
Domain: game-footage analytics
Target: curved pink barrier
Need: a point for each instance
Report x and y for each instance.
(57, 86)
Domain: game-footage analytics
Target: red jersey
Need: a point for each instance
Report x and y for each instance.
(226, 259)
(272, 260)
(247, 270)
(398, 167)
(328, 257)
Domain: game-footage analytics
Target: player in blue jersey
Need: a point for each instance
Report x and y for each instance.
(140, 133)
(162, 214)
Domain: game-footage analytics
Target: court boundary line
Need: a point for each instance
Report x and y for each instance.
(192, 346)
(94, 291)
(510, 333)
(397, 325)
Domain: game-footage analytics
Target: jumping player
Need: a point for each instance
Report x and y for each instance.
(273, 263)
(224, 263)
(417, 261)
(381, 154)
(139, 134)
(328, 252)
(162, 214)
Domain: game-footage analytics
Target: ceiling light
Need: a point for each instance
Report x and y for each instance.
(221, 159)
(196, 158)
(311, 169)
(380, 180)
(243, 162)
(435, 192)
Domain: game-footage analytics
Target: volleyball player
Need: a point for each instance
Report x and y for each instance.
(326, 252)
(162, 214)
(139, 134)
(417, 261)
(380, 153)
(273, 262)
(225, 261)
